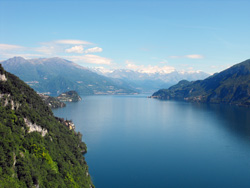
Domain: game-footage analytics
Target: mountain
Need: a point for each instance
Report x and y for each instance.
(36, 148)
(231, 86)
(149, 82)
(56, 75)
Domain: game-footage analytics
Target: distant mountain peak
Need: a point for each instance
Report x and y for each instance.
(163, 75)
(56, 75)
(17, 59)
(52, 60)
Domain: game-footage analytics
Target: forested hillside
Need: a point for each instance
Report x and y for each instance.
(231, 86)
(36, 150)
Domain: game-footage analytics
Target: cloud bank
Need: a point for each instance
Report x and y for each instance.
(73, 42)
(7, 47)
(149, 69)
(191, 56)
(93, 50)
(89, 58)
(58, 48)
(82, 52)
(75, 49)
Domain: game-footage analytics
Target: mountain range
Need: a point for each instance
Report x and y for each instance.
(149, 82)
(231, 86)
(56, 75)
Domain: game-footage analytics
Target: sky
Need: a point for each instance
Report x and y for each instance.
(183, 35)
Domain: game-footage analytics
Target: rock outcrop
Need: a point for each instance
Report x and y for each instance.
(34, 127)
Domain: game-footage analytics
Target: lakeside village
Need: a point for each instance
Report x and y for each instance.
(67, 123)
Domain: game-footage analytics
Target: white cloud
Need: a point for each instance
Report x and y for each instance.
(194, 56)
(93, 50)
(191, 56)
(9, 51)
(155, 69)
(149, 69)
(175, 57)
(20, 54)
(73, 42)
(7, 47)
(89, 58)
(75, 49)
(47, 50)
(103, 70)
(58, 47)
(133, 66)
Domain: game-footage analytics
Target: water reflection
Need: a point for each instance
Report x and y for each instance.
(233, 118)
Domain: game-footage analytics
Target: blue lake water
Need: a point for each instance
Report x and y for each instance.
(134, 141)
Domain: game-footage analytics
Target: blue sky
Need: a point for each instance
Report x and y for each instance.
(171, 35)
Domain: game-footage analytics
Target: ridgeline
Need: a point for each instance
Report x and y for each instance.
(231, 86)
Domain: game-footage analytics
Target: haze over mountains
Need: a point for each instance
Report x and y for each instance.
(148, 82)
(231, 86)
(56, 75)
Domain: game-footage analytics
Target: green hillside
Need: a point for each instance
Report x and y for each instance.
(36, 150)
(231, 86)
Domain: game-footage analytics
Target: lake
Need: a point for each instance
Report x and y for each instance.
(134, 141)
